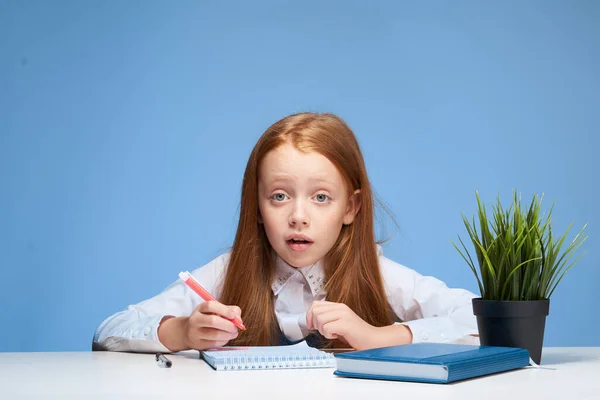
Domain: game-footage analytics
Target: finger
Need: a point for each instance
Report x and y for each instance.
(322, 306)
(203, 338)
(330, 330)
(319, 307)
(237, 314)
(214, 334)
(217, 308)
(309, 317)
(319, 320)
(318, 310)
(237, 311)
(214, 321)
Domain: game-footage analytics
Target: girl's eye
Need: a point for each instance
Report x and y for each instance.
(279, 197)
(322, 198)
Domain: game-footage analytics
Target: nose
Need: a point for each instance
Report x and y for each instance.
(299, 215)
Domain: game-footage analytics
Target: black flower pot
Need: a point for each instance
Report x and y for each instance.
(512, 324)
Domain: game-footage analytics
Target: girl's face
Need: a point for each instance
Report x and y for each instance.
(303, 203)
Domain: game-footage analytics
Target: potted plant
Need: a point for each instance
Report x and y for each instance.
(518, 266)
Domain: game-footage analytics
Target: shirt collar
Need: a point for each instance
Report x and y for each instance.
(284, 272)
(313, 274)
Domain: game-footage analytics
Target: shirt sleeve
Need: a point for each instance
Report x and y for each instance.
(135, 329)
(432, 311)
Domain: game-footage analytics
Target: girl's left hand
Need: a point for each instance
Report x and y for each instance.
(338, 321)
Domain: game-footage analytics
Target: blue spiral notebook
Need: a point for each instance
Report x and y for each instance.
(429, 362)
(267, 357)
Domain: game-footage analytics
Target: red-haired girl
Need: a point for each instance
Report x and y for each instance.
(304, 263)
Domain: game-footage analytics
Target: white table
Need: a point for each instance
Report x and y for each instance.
(108, 375)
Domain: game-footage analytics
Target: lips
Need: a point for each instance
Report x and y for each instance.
(298, 242)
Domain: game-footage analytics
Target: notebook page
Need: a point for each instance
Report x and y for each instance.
(299, 355)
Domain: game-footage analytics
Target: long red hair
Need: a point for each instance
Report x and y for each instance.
(351, 266)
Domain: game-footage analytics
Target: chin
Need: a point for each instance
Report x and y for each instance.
(300, 262)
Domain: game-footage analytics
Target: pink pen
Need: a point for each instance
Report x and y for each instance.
(193, 284)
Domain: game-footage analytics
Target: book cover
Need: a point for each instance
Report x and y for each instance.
(429, 362)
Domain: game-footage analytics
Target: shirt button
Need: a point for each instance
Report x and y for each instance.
(146, 331)
(424, 335)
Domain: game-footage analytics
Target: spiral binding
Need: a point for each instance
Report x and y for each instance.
(277, 361)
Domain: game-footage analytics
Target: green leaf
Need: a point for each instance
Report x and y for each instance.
(518, 257)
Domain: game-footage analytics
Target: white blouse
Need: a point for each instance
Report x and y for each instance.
(433, 312)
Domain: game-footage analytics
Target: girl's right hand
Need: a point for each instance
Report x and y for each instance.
(208, 326)
(205, 328)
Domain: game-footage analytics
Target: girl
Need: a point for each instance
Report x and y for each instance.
(305, 234)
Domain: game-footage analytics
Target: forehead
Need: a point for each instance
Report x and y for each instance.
(288, 163)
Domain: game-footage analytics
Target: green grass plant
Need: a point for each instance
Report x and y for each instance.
(518, 256)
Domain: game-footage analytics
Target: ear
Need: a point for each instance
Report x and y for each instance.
(354, 203)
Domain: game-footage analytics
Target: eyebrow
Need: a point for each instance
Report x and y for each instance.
(285, 178)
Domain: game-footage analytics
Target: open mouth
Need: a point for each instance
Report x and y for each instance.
(299, 244)
(294, 240)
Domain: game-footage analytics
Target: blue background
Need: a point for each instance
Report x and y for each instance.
(125, 128)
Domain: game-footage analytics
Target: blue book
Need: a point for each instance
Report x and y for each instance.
(430, 362)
